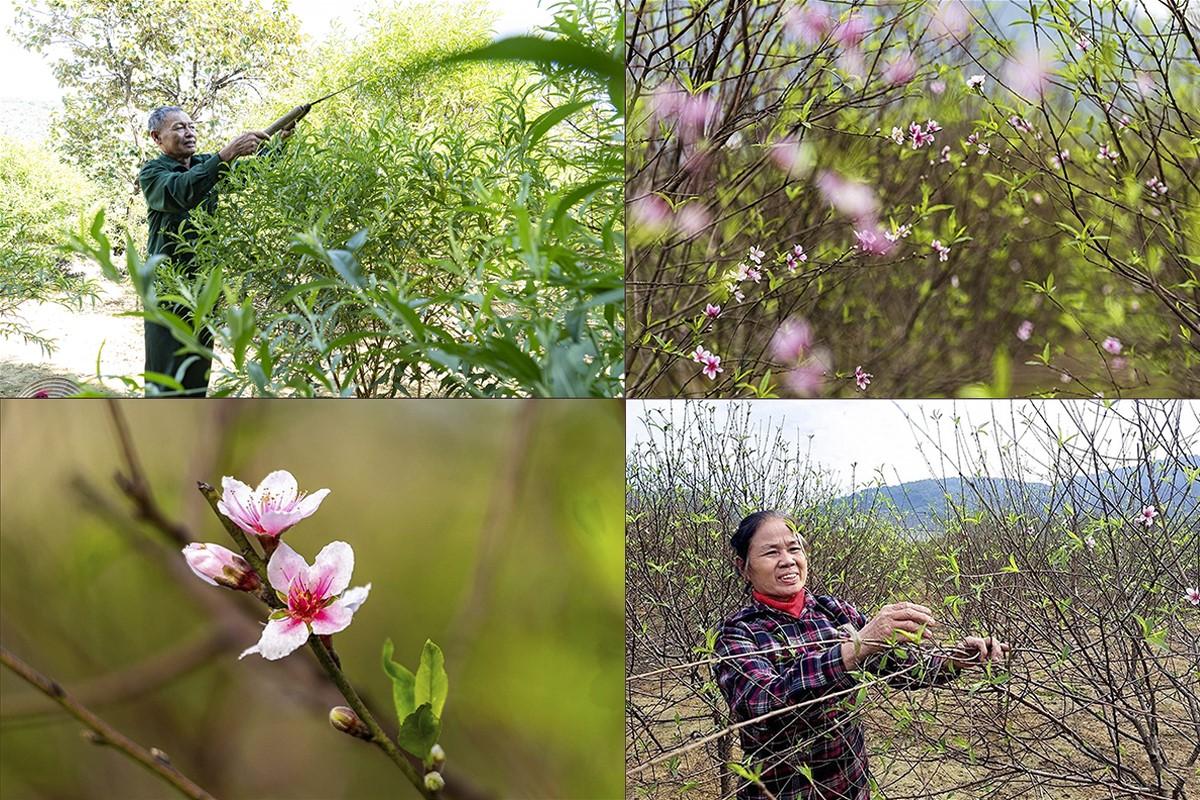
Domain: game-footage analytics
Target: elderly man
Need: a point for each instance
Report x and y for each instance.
(175, 183)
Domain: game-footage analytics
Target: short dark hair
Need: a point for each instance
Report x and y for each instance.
(159, 115)
(740, 541)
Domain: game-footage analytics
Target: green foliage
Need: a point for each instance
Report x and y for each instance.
(456, 235)
(39, 201)
(419, 698)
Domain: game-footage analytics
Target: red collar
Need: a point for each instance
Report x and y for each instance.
(793, 606)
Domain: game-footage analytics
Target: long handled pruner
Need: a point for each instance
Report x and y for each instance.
(296, 114)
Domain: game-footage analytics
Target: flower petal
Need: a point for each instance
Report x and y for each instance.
(330, 573)
(275, 522)
(279, 638)
(331, 619)
(237, 503)
(282, 487)
(354, 598)
(284, 566)
(308, 506)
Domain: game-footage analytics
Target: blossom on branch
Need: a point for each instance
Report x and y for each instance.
(316, 596)
(862, 378)
(1146, 518)
(220, 566)
(276, 505)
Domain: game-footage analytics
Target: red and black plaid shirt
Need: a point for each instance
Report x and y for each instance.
(770, 661)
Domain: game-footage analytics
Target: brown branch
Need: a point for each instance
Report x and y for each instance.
(133, 681)
(154, 761)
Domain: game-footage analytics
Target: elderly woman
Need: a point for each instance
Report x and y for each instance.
(786, 661)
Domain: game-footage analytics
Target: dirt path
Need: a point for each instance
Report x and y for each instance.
(78, 336)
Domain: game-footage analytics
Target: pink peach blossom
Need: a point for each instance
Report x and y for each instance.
(711, 366)
(862, 378)
(1025, 331)
(692, 219)
(317, 599)
(852, 31)
(809, 23)
(1193, 595)
(975, 83)
(1146, 518)
(951, 18)
(1106, 153)
(220, 566)
(874, 241)
(792, 341)
(1112, 345)
(943, 251)
(272, 508)
(651, 213)
(901, 70)
(711, 311)
(852, 198)
(1028, 74)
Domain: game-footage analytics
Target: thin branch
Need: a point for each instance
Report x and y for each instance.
(109, 735)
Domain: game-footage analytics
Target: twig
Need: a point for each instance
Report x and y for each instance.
(110, 736)
(133, 681)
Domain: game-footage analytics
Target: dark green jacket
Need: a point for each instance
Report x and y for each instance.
(172, 191)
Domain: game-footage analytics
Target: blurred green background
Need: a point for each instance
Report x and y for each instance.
(522, 588)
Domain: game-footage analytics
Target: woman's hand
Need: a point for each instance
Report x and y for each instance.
(979, 651)
(886, 628)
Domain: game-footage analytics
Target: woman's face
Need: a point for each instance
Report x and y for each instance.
(775, 563)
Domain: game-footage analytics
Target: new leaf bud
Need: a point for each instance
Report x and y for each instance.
(346, 721)
(434, 781)
(437, 756)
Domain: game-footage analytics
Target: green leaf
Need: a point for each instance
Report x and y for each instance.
(431, 681)
(542, 125)
(419, 731)
(571, 55)
(403, 683)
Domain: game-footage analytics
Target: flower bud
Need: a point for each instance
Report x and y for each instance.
(346, 721)
(434, 781)
(221, 566)
(437, 756)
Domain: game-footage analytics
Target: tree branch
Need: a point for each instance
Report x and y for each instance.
(110, 735)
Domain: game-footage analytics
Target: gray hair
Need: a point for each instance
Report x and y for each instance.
(159, 115)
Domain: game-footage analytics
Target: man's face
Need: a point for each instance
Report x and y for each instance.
(775, 563)
(176, 137)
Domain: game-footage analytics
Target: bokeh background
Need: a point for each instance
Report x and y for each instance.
(493, 528)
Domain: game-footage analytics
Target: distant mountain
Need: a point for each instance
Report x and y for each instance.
(923, 504)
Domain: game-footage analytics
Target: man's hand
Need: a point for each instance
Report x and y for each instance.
(980, 651)
(244, 145)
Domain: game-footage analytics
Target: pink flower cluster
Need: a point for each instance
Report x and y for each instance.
(975, 82)
(710, 364)
(796, 257)
(1156, 185)
(317, 600)
(806, 365)
(654, 216)
(1025, 331)
(943, 251)
(975, 140)
(862, 378)
(1112, 345)
(1020, 123)
(1106, 154)
(923, 137)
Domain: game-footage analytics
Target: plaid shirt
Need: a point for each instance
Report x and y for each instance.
(770, 661)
